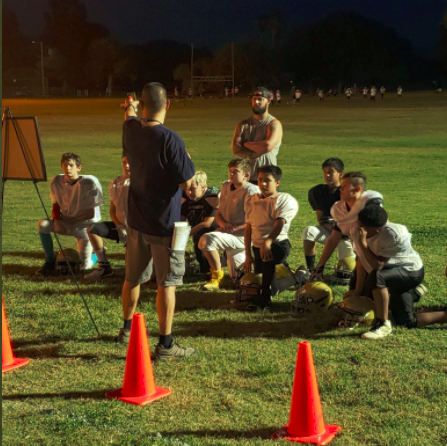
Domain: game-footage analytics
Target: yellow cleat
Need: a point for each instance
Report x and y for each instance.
(216, 279)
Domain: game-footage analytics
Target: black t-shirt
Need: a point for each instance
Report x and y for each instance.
(196, 211)
(159, 163)
(322, 198)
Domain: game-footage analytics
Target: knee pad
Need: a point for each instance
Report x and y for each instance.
(44, 226)
(310, 233)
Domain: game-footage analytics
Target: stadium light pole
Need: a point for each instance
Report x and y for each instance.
(41, 67)
(192, 70)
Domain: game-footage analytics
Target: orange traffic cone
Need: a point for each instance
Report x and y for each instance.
(306, 423)
(138, 386)
(8, 360)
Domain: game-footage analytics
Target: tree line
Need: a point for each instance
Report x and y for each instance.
(342, 49)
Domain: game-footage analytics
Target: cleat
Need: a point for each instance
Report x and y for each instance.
(48, 269)
(104, 270)
(173, 352)
(214, 283)
(123, 336)
(380, 330)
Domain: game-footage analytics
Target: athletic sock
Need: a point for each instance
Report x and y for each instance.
(47, 245)
(101, 254)
(165, 340)
(127, 324)
(310, 262)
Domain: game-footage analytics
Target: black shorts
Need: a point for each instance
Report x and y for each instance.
(105, 229)
(401, 284)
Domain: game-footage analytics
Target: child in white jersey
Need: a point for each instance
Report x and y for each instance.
(76, 202)
(391, 272)
(353, 198)
(230, 217)
(268, 215)
(115, 229)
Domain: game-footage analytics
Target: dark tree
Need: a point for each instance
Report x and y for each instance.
(347, 48)
(15, 46)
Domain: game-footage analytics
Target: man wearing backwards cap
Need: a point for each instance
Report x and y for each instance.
(258, 138)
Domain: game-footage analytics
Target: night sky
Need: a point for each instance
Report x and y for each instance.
(212, 23)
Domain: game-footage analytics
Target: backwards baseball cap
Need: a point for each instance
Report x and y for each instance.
(263, 92)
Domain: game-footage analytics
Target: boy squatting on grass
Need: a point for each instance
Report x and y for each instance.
(389, 270)
(115, 229)
(230, 217)
(76, 202)
(199, 206)
(268, 215)
(354, 197)
(321, 198)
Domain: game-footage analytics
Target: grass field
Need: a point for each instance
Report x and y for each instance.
(237, 389)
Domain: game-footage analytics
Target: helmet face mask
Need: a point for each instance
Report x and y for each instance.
(311, 297)
(250, 285)
(358, 311)
(343, 271)
(65, 258)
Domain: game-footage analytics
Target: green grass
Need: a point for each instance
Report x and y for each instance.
(237, 389)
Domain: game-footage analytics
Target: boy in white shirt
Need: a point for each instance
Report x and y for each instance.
(115, 229)
(399, 91)
(353, 198)
(373, 93)
(269, 215)
(382, 91)
(230, 217)
(76, 202)
(391, 272)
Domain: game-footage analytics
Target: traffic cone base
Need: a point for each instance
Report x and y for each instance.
(322, 439)
(138, 385)
(18, 362)
(140, 400)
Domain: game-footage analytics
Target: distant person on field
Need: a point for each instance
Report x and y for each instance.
(296, 97)
(382, 91)
(176, 94)
(348, 93)
(230, 218)
(116, 229)
(199, 206)
(399, 91)
(258, 138)
(391, 272)
(321, 198)
(321, 95)
(76, 205)
(226, 91)
(373, 93)
(278, 97)
(160, 168)
(269, 215)
(365, 93)
(353, 198)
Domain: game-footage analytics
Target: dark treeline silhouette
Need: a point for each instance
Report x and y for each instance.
(343, 49)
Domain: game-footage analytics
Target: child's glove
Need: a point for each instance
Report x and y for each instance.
(122, 233)
(56, 212)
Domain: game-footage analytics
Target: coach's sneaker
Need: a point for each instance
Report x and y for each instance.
(123, 336)
(381, 329)
(173, 352)
(48, 269)
(214, 282)
(104, 270)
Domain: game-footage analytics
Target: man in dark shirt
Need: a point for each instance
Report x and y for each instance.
(321, 199)
(160, 168)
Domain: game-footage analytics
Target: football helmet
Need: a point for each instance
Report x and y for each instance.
(312, 296)
(250, 285)
(357, 311)
(344, 270)
(67, 257)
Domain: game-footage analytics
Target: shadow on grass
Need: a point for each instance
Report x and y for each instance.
(54, 352)
(96, 395)
(276, 327)
(55, 340)
(40, 255)
(263, 433)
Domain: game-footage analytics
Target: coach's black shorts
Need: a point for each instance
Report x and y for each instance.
(105, 229)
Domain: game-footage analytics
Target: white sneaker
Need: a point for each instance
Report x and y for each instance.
(88, 265)
(379, 331)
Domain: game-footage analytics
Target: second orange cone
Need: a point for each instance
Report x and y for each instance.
(306, 422)
(138, 386)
